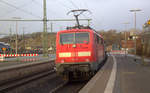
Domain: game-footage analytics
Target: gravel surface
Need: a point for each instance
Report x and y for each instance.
(42, 85)
(72, 87)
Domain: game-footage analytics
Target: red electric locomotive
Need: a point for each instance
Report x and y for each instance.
(79, 51)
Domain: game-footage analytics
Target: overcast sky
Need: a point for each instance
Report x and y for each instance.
(106, 14)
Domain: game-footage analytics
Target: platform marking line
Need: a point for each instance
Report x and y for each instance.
(111, 82)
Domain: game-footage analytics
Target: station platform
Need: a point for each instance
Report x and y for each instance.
(23, 61)
(120, 74)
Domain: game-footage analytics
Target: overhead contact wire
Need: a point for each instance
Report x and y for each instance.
(18, 8)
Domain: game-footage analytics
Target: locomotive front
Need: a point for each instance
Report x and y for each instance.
(74, 52)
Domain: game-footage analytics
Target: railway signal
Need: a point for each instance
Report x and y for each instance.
(148, 22)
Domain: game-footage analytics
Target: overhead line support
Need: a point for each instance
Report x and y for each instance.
(45, 46)
(46, 20)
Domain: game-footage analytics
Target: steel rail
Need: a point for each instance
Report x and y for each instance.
(22, 81)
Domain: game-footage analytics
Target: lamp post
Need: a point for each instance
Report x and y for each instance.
(134, 11)
(16, 33)
(126, 23)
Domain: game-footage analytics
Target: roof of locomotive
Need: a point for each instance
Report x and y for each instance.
(80, 30)
(76, 30)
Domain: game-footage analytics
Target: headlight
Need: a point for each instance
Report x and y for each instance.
(65, 54)
(84, 54)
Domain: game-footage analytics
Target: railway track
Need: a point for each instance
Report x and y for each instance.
(69, 87)
(8, 86)
(19, 75)
(12, 84)
(73, 87)
(45, 81)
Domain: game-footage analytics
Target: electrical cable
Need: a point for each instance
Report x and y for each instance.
(73, 4)
(8, 12)
(77, 7)
(17, 8)
(65, 5)
(89, 8)
(37, 3)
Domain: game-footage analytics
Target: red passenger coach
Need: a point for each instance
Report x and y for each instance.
(78, 52)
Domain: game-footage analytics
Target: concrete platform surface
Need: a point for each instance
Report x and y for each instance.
(120, 74)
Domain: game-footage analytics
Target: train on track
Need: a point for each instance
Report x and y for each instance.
(79, 52)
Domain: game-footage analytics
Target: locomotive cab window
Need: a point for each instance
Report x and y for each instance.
(74, 38)
(67, 38)
(82, 38)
